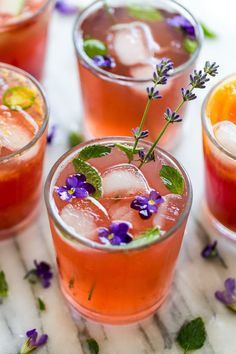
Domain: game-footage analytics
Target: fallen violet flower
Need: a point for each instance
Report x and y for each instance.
(66, 8)
(147, 205)
(51, 134)
(228, 296)
(76, 187)
(104, 61)
(41, 273)
(32, 341)
(116, 235)
(210, 251)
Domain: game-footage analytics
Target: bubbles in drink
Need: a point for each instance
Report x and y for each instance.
(169, 211)
(132, 43)
(122, 181)
(85, 216)
(225, 133)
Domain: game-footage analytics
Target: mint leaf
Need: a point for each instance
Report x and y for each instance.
(146, 236)
(3, 285)
(145, 13)
(190, 45)
(41, 304)
(93, 346)
(75, 139)
(94, 151)
(92, 175)
(172, 179)
(128, 150)
(192, 335)
(94, 47)
(209, 34)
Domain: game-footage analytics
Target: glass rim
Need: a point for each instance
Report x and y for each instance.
(205, 118)
(29, 18)
(85, 60)
(46, 111)
(74, 236)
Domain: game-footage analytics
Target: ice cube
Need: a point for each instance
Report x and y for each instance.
(122, 181)
(225, 133)
(131, 43)
(169, 211)
(85, 216)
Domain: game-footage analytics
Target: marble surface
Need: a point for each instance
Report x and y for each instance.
(196, 280)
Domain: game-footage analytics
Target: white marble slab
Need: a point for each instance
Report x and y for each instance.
(196, 280)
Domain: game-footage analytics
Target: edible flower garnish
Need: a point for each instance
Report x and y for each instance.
(65, 7)
(210, 250)
(117, 234)
(76, 187)
(147, 205)
(228, 296)
(32, 341)
(41, 273)
(183, 24)
(51, 134)
(104, 61)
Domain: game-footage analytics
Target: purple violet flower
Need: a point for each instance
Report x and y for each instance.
(66, 8)
(210, 250)
(116, 235)
(76, 187)
(104, 61)
(32, 341)
(182, 23)
(51, 134)
(147, 205)
(228, 296)
(41, 273)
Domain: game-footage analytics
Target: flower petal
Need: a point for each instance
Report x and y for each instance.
(63, 193)
(72, 182)
(31, 332)
(89, 187)
(123, 228)
(144, 214)
(80, 193)
(42, 340)
(230, 285)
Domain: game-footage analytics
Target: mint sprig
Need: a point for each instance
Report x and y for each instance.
(146, 236)
(94, 151)
(92, 175)
(93, 346)
(190, 45)
(128, 150)
(4, 289)
(192, 335)
(41, 305)
(208, 33)
(93, 47)
(145, 13)
(172, 179)
(75, 138)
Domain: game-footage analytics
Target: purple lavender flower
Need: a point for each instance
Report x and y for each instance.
(41, 273)
(76, 187)
(66, 8)
(143, 134)
(152, 93)
(188, 95)
(182, 23)
(210, 250)
(51, 134)
(228, 296)
(32, 341)
(172, 117)
(147, 205)
(116, 235)
(104, 61)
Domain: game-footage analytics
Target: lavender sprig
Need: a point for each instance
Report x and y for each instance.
(159, 78)
(198, 80)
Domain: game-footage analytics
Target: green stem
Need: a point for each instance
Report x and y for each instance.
(142, 121)
(108, 11)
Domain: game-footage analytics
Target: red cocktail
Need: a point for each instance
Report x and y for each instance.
(23, 34)
(23, 122)
(135, 38)
(103, 279)
(219, 143)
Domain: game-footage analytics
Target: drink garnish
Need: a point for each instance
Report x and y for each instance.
(65, 7)
(42, 273)
(228, 295)
(145, 13)
(208, 33)
(172, 179)
(4, 289)
(117, 234)
(18, 97)
(75, 138)
(190, 45)
(104, 61)
(192, 335)
(33, 341)
(147, 236)
(51, 134)
(210, 250)
(94, 151)
(93, 47)
(12, 7)
(76, 187)
(147, 206)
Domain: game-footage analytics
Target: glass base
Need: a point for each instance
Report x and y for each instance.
(79, 311)
(16, 229)
(212, 225)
